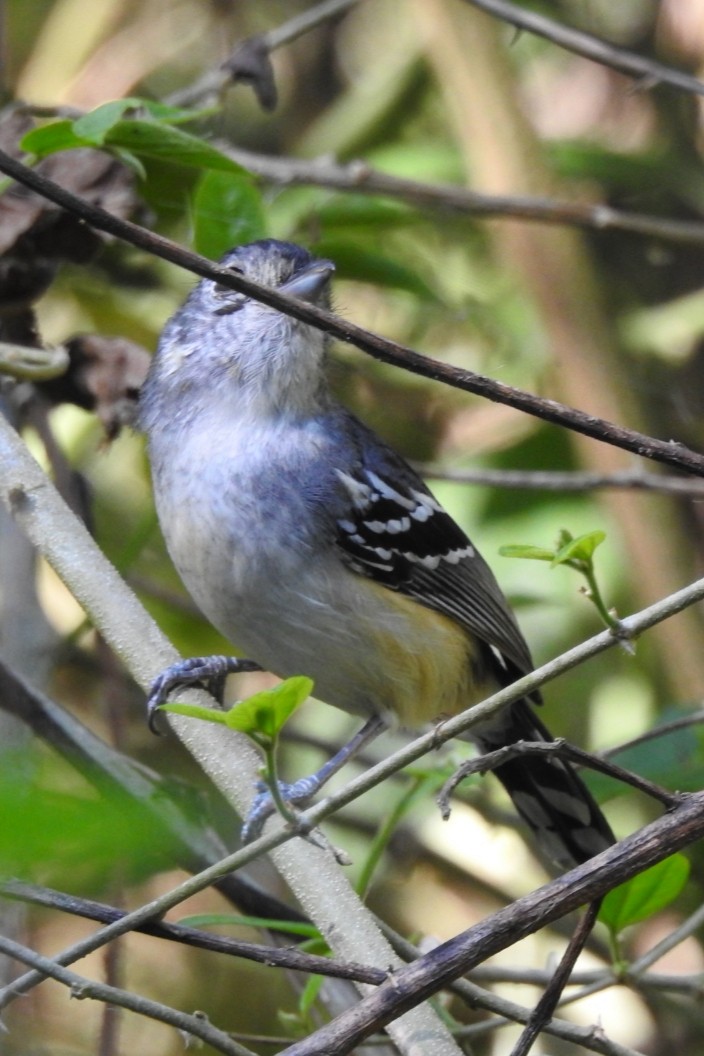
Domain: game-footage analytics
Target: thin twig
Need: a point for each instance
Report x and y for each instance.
(670, 452)
(272, 956)
(215, 81)
(543, 1011)
(674, 938)
(305, 21)
(563, 750)
(358, 177)
(577, 480)
(656, 733)
(646, 70)
(80, 987)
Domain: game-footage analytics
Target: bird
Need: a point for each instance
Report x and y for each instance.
(317, 550)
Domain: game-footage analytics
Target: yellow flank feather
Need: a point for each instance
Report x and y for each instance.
(432, 669)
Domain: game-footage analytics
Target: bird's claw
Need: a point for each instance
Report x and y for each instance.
(296, 795)
(208, 671)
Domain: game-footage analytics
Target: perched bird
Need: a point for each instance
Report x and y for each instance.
(317, 550)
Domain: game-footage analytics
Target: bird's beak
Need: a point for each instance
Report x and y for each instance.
(308, 284)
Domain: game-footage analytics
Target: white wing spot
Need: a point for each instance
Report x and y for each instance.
(387, 492)
(359, 492)
(422, 513)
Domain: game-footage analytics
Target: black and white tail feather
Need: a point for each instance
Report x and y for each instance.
(397, 533)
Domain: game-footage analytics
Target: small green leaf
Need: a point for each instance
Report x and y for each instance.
(94, 126)
(196, 711)
(644, 895)
(260, 716)
(580, 549)
(263, 714)
(533, 553)
(227, 211)
(49, 139)
(155, 140)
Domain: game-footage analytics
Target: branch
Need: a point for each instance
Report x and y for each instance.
(507, 1012)
(249, 60)
(563, 750)
(272, 956)
(674, 938)
(669, 452)
(543, 1011)
(591, 47)
(654, 734)
(577, 480)
(80, 987)
(528, 914)
(358, 177)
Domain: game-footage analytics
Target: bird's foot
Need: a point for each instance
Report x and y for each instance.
(208, 671)
(295, 796)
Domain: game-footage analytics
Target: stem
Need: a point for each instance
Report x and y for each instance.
(594, 594)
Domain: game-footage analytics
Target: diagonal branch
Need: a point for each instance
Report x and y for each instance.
(542, 1013)
(196, 1024)
(591, 47)
(250, 59)
(272, 956)
(420, 980)
(669, 452)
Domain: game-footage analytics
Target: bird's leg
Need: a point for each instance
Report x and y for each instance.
(300, 792)
(208, 671)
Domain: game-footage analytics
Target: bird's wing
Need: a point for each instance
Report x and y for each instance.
(394, 530)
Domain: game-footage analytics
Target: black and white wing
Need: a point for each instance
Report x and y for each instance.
(395, 531)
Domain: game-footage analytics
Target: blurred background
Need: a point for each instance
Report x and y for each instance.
(609, 321)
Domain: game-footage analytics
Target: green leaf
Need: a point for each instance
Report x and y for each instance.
(65, 839)
(227, 211)
(263, 714)
(196, 711)
(155, 140)
(49, 139)
(580, 549)
(645, 895)
(94, 126)
(532, 553)
(131, 161)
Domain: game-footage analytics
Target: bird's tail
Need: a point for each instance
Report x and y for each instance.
(547, 792)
